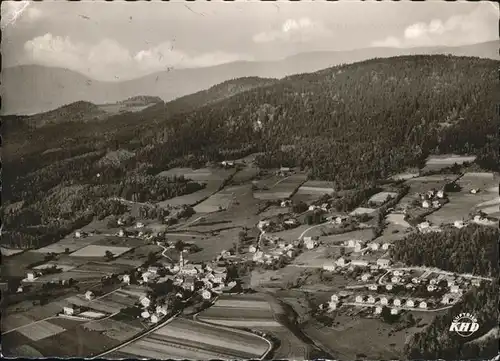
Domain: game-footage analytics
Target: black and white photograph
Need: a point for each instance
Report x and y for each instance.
(247, 180)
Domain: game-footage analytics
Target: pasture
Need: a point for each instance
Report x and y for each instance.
(397, 220)
(240, 311)
(63, 267)
(216, 202)
(404, 176)
(365, 234)
(69, 242)
(245, 175)
(311, 191)
(113, 241)
(117, 330)
(186, 339)
(437, 162)
(40, 330)
(463, 202)
(362, 210)
(192, 198)
(283, 188)
(199, 175)
(16, 265)
(99, 251)
(382, 197)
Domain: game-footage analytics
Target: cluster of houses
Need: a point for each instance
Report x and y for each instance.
(281, 250)
(362, 246)
(343, 262)
(432, 199)
(427, 227)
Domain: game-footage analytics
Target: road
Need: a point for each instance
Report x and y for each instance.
(402, 308)
(310, 228)
(432, 270)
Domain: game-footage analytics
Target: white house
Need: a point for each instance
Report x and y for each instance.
(281, 244)
(360, 299)
(286, 203)
(359, 263)
(431, 288)
(30, 276)
(358, 247)
(425, 204)
(263, 224)
(397, 302)
(373, 287)
(371, 299)
(121, 233)
(154, 318)
(153, 269)
(352, 243)
(332, 306)
(455, 289)
(310, 244)
(257, 257)
(423, 225)
(334, 298)
(388, 287)
(410, 303)
(394, 311)
(312, 207)
(450, 282)
(476, 282)
(386, 246)
(415, 280)
(206, 295)
(398, 273)
(145, 301)
(433, 281)
(120, 222)
(365, 277)
(422, 305)
(436, 204)
(139, 225)
(373, 246)
(89, 295)
(161, 310)
(69, 311)
(459, 224)
(395, 279)
(384, 301)
(252, 249)
(126, 279)
(440, 194)
(145, 314)
(329, 267)
(290, 253)
(378, 310)
(474, 190)
(189, 269)
(383, 262)
(341, 262)
(145, 277)
(78, 234)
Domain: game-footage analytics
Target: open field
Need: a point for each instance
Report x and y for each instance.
(114, 329)
(280, 278)
(313, 190)
(192, 198)
(113, 241)
(437, 162)
(99, 251)
(282, 189)
(40, 330)
(463, 202)
(73, 244)
(16, 266)
(186, 339)
(403, 176)
(63, 267)
(397, 220)
(199, 175)
(245, 175)
(365, 235)
(240, 311)
(104, 268)
(219, 201)
(382, 197)
(425, 184)
(362, 210)
(10, 251)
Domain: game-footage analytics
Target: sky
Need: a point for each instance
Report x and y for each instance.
(106, 40)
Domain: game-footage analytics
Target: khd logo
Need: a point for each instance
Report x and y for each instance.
(464, 324)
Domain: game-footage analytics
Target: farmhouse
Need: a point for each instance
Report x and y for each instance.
(383, 262)
(30, 276)
(394, 311)
(227, 163)
(373, 246)
(263, 224)
(386, 246)
(384, 301)
(310, 244)
(252, 249)
(332, 306)
(422, 305)
(378, 310)
(397, 302)
(161, 310)
(459, 224)
(455, 289)
(329, 267)
(139, 225)
(415, 280)
(450, 282)
(145, 314)
(358, 247)
(476, 282)
(286, 203)
(154, 318)
(371, 299)
(145, 301)
(360, 299)
(341, 262)
(80, 234)
(474, 190)
(89, 295)
(388, 287)
(410, 303)
(431, 288)
(433, 281)
(373, 287)
(425, 204)
(436, 204)
(68, 311)
(365, 277)
(334, 298)
(440, 194)
(153, 269)
(447, 299)
(395, 279)
(126, 279)
(121, 233)
(359, 263)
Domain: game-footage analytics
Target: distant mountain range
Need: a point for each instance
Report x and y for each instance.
(30, 89)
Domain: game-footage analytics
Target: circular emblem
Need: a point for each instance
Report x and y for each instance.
(464, 324)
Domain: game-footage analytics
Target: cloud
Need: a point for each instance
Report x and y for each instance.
(301, 30)
(457, 30)
(108, 60)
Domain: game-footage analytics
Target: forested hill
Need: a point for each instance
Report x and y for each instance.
(350, 124)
